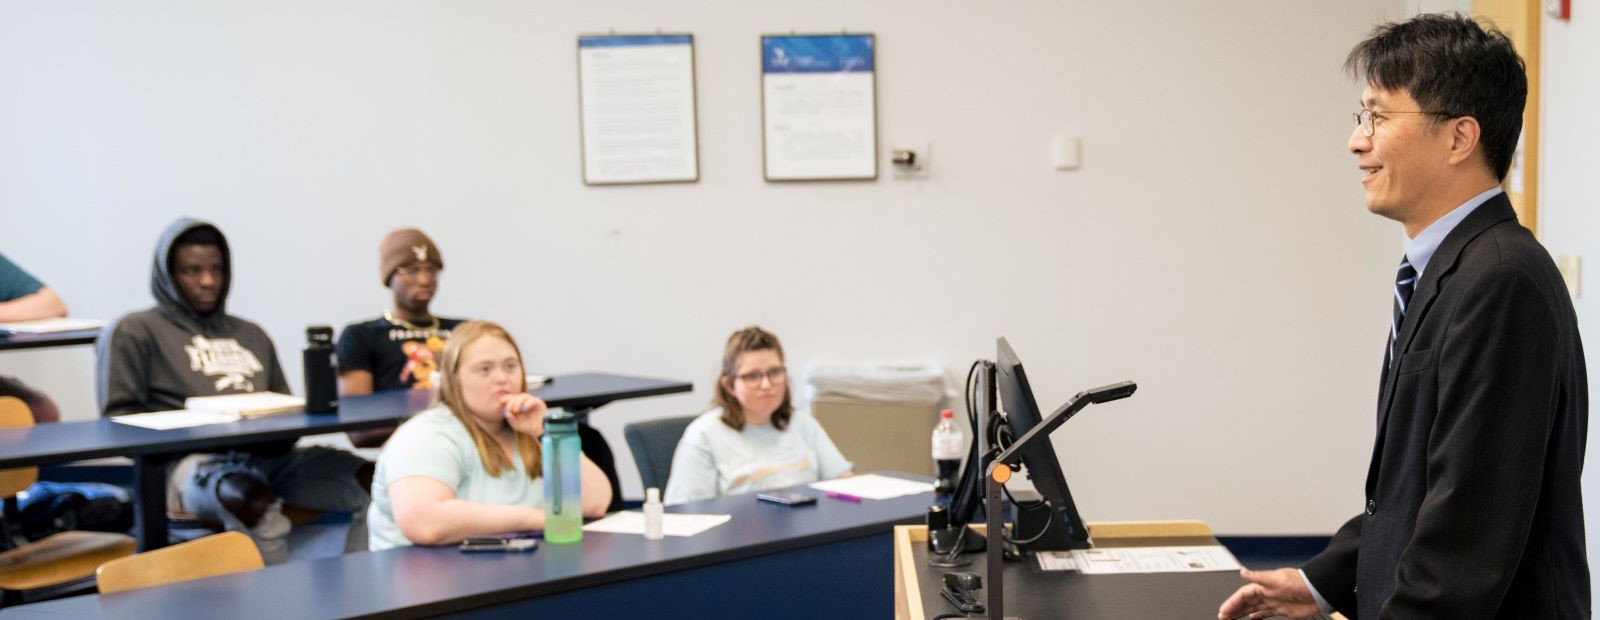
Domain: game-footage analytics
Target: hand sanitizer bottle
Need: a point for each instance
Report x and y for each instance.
(652, 514)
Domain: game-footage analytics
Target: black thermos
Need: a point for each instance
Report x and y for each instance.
(322, 371)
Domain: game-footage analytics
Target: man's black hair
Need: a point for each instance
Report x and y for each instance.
(199, 235)
(1452, 66)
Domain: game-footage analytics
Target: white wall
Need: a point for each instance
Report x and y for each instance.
(1571, 191)
(1213, 247)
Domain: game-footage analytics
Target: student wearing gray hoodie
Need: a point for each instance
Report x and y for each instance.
(188, 345)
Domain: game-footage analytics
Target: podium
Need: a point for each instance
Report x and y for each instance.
(1033, 594)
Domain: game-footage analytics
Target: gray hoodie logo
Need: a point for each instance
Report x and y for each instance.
(223, 358)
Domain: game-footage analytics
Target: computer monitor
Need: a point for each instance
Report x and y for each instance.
(1022, 413)
(1067, 530)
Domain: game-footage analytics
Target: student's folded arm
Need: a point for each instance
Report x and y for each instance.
(428, 512)
(41, 304)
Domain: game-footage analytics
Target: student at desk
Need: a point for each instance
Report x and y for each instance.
(754, 439)
(470, 466)
(24, 298)
(399, 350)
(189, 345)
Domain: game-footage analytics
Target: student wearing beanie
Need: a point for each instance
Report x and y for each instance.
(399, 350)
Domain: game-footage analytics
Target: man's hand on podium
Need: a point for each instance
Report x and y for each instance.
(1270, 593)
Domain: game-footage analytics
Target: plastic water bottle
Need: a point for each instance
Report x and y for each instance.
(321, 367)
(948, 446)
(652, 514)
(563, 493)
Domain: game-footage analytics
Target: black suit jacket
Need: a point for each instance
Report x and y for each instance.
(1473, 502)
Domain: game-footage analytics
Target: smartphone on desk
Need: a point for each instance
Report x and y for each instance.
(787, 498)
(477, 544)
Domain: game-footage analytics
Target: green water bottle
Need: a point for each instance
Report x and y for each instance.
(563, 495)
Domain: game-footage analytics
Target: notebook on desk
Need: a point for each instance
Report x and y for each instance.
(248, 405)
(49, 326)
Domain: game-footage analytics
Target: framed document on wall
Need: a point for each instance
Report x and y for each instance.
(819, 107)
(636, 100)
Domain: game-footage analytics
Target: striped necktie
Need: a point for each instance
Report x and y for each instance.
(1405, 282)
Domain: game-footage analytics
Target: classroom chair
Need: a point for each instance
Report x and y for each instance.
(61, 563)
(652, 443)
(210, 556)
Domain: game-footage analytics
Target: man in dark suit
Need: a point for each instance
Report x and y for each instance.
(1473, 505)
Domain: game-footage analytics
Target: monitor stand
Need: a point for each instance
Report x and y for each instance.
(946, 546)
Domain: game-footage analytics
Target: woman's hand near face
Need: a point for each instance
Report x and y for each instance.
(525, 413)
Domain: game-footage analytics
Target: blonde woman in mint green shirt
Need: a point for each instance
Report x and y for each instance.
(470, 466)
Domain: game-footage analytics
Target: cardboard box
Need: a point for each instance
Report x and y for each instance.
(881, 435)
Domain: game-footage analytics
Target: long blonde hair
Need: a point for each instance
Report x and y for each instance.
(493, 458)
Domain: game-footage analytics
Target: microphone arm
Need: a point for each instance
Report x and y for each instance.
(1105, 393)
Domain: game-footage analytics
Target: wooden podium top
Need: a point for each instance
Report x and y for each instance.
(1031, 594)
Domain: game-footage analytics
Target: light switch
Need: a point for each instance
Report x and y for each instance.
(1064, 152)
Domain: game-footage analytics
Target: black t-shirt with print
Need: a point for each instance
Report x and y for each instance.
(398, 356)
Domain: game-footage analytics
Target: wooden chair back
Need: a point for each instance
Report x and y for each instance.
(218, 554)
(15, 414)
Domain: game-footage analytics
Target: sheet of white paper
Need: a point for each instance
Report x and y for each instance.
(672, 524)
(1056, 560)
(638, 110)
(167, 420)
(873, 486)
(47, 326)
(1116, 560)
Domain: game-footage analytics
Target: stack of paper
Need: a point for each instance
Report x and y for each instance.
(247, 405)
(1115, 560)
(872, 486)
(49, 326)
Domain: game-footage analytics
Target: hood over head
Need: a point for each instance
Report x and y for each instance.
(169, 298)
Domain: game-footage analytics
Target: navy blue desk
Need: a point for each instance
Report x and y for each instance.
(53, 339)
(153, 450)
(831, 560)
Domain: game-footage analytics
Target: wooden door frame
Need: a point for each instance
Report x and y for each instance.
(1522, 20)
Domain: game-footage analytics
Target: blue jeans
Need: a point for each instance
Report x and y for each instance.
(318, 478)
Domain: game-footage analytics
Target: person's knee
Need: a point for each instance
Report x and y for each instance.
(246, 496)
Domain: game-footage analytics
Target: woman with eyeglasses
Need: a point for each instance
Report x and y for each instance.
(753, 439)
(470, 466)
